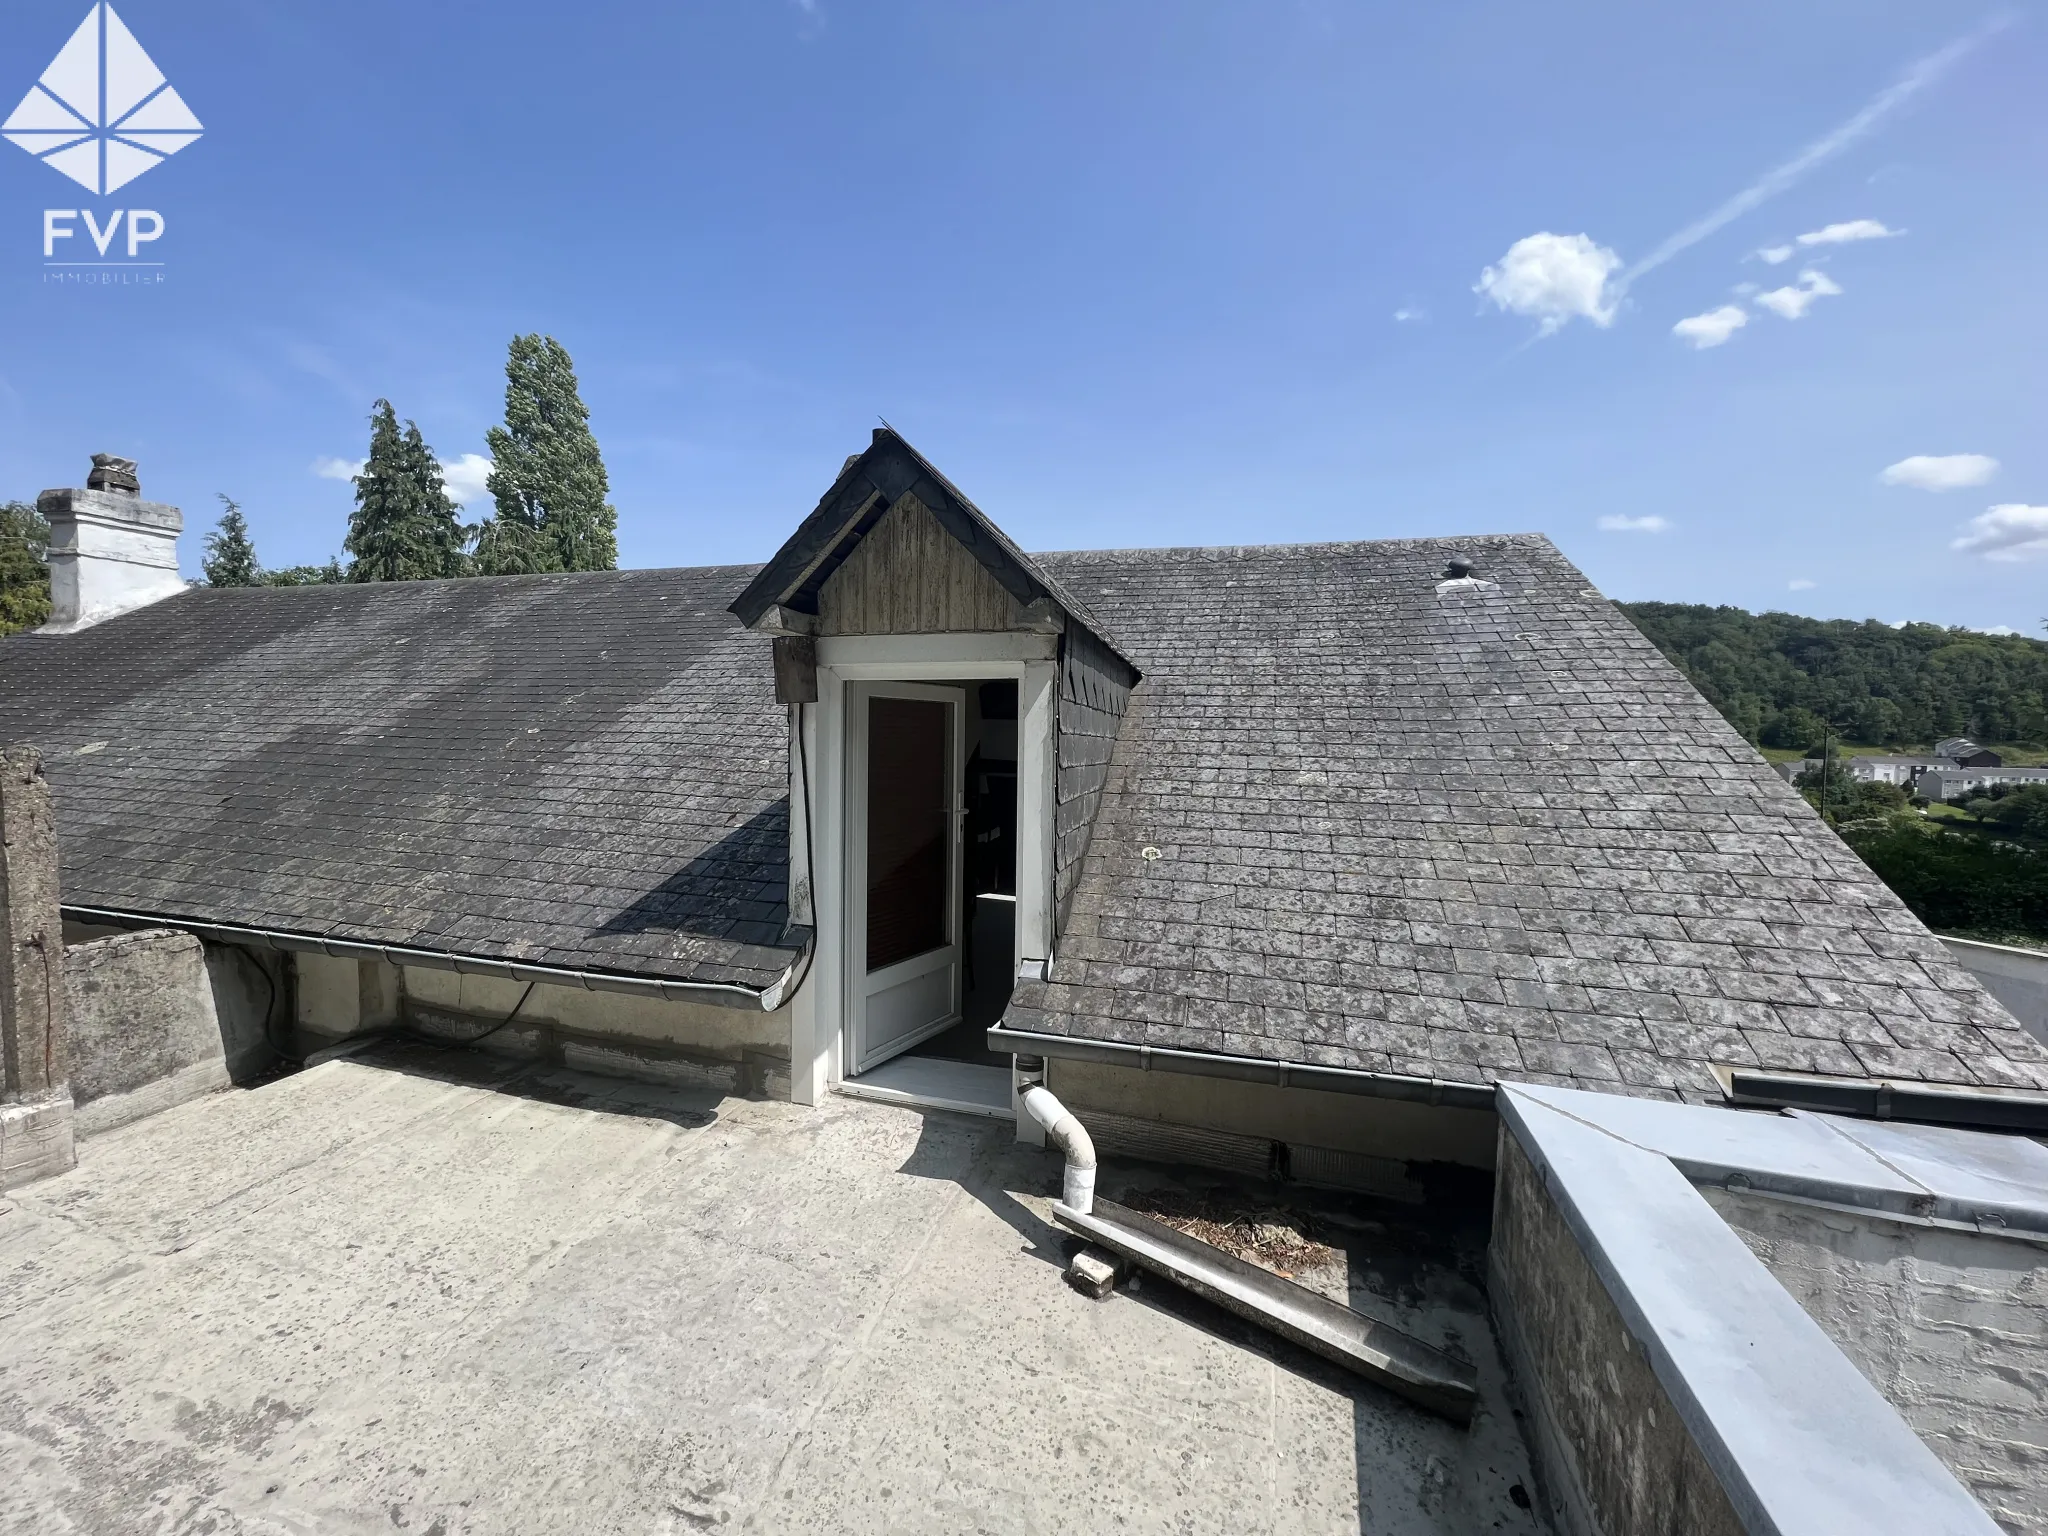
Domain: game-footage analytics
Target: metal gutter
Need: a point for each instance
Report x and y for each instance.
(1245, 1069)
(1981, 1110)
(716, 994)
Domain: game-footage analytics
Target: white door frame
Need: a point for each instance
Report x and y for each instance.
(819, 1055)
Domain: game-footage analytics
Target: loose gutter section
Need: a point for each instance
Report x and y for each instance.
(1379, 1353)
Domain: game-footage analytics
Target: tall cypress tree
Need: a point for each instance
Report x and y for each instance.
(230, 557)
(403, 527)
(547, 479)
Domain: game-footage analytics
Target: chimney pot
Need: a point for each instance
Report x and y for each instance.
(110, 472)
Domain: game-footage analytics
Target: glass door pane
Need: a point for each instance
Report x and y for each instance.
(909, 819)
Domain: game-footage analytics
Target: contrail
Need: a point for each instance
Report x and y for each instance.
(1916, 79)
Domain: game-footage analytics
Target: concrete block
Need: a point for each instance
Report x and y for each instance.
(144, 1035)
(1095, 1273)
(36, 1140)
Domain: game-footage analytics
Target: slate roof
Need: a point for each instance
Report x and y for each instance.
(1474, 834)
(1488, 833)
(584, 770)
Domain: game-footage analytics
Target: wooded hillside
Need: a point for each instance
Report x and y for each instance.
(1776, 676)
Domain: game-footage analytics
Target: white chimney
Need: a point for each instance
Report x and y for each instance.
(110, 550)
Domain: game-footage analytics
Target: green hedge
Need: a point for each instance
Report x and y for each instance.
(1953, 881)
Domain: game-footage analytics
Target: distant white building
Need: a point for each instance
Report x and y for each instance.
(1903, 771)
(1947, 783)
(1896, 770)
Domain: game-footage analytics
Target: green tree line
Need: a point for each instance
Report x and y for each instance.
(547, 485)
(1776, 677)
(24, 572)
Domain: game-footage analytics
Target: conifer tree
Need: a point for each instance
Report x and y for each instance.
(437, 535)
(403, 527)
(230, 557)
(547, 477)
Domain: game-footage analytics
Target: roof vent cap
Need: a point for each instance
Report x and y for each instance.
(1458, 577)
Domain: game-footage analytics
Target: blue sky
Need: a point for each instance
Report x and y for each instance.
(1129, 272)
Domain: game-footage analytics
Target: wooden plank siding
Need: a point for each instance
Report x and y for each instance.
(909, 576)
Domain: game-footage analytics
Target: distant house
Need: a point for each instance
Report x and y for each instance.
(1967, 753)
(1949, 783)
(1895, 770)
(1903, 771)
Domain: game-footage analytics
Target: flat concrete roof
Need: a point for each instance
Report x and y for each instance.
(432, 1292)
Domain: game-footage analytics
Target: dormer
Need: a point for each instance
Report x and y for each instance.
(952, 709)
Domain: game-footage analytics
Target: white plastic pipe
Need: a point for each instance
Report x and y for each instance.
(1077, 1189)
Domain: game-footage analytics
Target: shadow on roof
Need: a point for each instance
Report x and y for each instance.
(687, 1108)
(725, 891)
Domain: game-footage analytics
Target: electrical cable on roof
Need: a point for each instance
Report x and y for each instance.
(803, 765)
(472, 1039)
(269, 1006)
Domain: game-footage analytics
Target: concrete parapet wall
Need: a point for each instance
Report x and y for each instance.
(144, 1035)
(36, 1128)
(653, 1039)
(1950, 1325)
(1617, 1457)
(1654, 1346)
(1306, 1117)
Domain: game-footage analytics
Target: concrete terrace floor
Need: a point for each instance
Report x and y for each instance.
(429, 1292)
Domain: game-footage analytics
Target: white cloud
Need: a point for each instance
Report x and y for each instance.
(1713, 327)
(1615, 522)
(1833, 234)
(2007, 533)
(465, 478)
(1918, 76)
(1795, 301)
(1941, 471)
(1854, 229)
(1998, 629)
(1800, 584)
(1554, 279)
(1411, 314)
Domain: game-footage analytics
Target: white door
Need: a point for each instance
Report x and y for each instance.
(904, 817)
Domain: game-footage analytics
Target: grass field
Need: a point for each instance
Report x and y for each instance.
(2016, 755)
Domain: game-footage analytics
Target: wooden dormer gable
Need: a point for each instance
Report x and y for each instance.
(895, 549)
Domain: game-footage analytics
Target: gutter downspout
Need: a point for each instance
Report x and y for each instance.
(1077, 1187)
